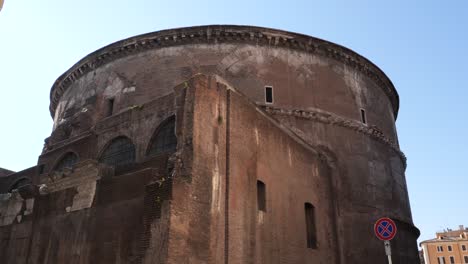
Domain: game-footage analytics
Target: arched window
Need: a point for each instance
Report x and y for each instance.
(67, 161)
(19, 183)
(120, 151)
(164, 139)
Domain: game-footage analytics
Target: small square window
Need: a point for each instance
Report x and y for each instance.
(463, 247)
(261, 196)
(268, 94)
(449, 248)
(110, 107)
(363, 116)
(310, 226)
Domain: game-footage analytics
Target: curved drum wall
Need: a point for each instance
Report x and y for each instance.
(367, 175)
(300, 80)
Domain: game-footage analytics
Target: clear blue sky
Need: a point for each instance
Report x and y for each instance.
(420, 45)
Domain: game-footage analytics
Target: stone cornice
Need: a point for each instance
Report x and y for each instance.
(215, 34)
(336, 120)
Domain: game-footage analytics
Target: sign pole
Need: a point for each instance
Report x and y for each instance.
(388, 251)
(385, 229)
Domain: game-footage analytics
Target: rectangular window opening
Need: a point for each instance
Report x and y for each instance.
(463, 247)
(452, 260)
(441, 260)
(466, 259)
(268, 94)
(363, 116)
(110, 107)
(310, 225)
(261, 196)
(449, 248)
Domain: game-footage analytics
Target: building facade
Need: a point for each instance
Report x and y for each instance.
(214, 144)
(449, 247)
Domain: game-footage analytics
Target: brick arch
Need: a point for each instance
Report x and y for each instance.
(63, 156)
(162, 141)
(16, 183)
(118, 151)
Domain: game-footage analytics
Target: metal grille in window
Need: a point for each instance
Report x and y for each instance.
(67, 161)
(165, 139)
(120, 151)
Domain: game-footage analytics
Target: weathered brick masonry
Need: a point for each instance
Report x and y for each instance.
(213, 144)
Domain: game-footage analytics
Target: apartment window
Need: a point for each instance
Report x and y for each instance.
(466, 259)
(452, 260)
(164, 139)
(261, 196)
(110, 107)
(449, 248)
(310, 225)
(440, 260)
(268, 94)
(120, 151)
(463, 247)
(363, 116)
(440, 248)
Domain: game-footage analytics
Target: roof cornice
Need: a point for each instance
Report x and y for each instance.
(215, 34)
(445, 240)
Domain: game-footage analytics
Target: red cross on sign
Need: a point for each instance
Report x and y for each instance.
(385, 229)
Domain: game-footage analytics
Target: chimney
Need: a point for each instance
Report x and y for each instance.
(461, 227)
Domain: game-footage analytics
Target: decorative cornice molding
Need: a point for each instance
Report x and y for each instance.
(332, 119)
(216, 34)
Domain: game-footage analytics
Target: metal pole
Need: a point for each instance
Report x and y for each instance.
(388, 251)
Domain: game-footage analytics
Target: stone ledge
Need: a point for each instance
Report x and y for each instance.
(333, 119)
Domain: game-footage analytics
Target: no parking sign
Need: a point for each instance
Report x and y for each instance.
(385, 229)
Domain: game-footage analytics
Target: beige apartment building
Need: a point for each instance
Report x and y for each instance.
(449, 247)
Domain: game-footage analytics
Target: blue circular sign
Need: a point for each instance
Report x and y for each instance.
(385, 229)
